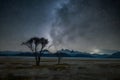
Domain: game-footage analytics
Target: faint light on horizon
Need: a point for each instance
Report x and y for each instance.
(95, 51)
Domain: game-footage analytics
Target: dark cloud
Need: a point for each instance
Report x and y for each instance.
(84, 24)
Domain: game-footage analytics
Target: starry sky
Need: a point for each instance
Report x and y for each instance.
(83, 25)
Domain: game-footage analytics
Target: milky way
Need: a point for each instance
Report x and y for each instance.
(87, 24)
(73, 24)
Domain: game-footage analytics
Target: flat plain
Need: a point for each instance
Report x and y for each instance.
(23, 68)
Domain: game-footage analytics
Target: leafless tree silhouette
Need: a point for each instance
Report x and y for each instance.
(58, 54)
(33, 43)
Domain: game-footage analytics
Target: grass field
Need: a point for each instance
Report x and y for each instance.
(23, 68)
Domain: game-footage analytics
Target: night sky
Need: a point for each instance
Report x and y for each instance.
(83, 25)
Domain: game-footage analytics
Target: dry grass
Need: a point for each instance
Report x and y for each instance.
(19, 69)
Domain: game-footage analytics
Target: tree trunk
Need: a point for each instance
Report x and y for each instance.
(39, 60)
(59, 59)
(36, 59)
(37, 63)
(39, 56)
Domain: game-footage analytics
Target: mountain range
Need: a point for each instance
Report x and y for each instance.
(62, 53)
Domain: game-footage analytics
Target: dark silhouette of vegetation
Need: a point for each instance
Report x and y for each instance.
(33, 43)
(59, 55)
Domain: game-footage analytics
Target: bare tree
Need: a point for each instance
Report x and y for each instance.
(59, 55)
(33, 43)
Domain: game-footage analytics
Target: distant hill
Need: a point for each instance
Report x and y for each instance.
(62, 55)
(115, 55)
(100, 55)
(9, 53)
(62, 52)
(83, 55)
(71, 53)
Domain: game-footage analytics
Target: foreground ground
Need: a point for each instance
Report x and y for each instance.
(19, 68)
